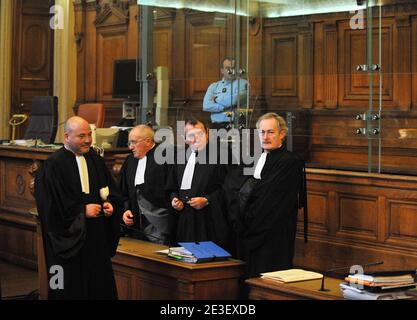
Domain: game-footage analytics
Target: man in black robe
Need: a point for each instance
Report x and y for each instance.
(195, 188)
(142, 183)
(79, 210)
(265, 206)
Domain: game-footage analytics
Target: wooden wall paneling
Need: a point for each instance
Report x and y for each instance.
(32, 55)
(16, 230)
(282, 70)
(318, 210)
(354, 85)
(402, 63)
(112, 25)
(255, 69)
(333, 209)
(243, 44)
(255, 49)
(133, 32)
(382, 218)
(17, 245)
(305, 64)
(319, 65)
(346, 67)
(337, 129)
(357, 216)
(162, 40)
(17, 193)
(206, 47)
(283, 77)
(373, 216)
(179, 56)
(325, 65)
(228, 21)
(126, 283)
(91, 56)
(330, 65)
(401, 226)
(414, 61)
(80, 38)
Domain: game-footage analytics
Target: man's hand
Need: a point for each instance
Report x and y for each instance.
(128, 218)
(92, 210)
(198, 202)
(177, 204)
(107, 209)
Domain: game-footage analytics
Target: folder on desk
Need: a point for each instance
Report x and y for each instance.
(205, 251)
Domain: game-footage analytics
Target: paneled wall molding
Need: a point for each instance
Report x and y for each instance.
(79, 4)
(325, 85)
(91, 5)
(359, 217)
(6, 14)
(402, 63)
(305, 63)
(164, 13)
(111, 16)
(64, 60)
(33, 53)
(414, 62)
(399, 9)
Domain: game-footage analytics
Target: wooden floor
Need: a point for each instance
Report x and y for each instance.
(17, 282)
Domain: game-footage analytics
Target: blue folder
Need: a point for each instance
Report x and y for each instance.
(206, 251)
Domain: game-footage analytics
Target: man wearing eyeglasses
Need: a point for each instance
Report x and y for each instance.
(195, 188)
(222, 96)
(142, 182)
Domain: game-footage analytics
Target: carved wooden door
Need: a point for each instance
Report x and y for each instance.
(32, 69)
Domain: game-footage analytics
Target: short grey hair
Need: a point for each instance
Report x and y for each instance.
(281, 124)
(144, 131)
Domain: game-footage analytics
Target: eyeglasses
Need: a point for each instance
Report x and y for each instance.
(192, 135)
(134, 142)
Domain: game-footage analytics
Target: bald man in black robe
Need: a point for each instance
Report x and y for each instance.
(79, 209)
(142, 183)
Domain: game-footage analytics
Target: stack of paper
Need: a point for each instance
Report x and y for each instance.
(196, 252)
(352, 293)
(378, 283)
(383, 285)
(182, 254)
(292, 275)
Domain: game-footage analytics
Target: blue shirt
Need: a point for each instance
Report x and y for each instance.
(226, 93)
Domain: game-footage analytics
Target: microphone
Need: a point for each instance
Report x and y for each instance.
(371, 264)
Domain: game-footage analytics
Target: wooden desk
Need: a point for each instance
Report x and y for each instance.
(143, 274)
(17, 228)
(266, 289)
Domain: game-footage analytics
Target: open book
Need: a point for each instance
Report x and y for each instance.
(292, 275)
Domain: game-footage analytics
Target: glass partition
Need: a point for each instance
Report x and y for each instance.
(338, 71)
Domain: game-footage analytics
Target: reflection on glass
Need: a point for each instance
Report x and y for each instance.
(304, 68)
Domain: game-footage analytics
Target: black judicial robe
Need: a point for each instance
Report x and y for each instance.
(153, 189)
(266, 223)
(209, 223)
(82, 246)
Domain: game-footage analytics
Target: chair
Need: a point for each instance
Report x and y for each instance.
(43, 121)
(93, 113)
